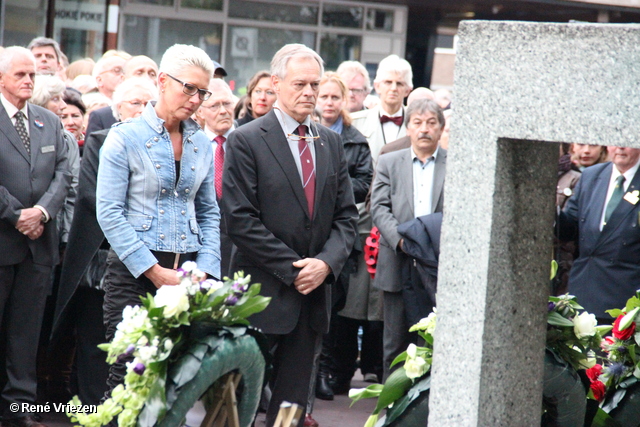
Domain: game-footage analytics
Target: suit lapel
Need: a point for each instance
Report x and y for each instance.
(35, 133)
(623, 209)
(10, 132)
(322, 166)
(438, 178)
(277, 143)
(406, 184)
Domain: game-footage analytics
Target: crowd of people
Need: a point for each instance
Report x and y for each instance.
(115, 172)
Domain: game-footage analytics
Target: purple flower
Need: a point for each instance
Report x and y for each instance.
(239, 288)
(130, 350)
(551, 306)
(616, 369)
(139, 368)
(231, 300)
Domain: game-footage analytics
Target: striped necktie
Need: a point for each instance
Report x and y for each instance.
(308, 168)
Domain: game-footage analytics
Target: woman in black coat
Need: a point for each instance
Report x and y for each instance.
(80, 295)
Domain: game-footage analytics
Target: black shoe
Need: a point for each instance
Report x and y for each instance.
(323, 387)
(341, 387)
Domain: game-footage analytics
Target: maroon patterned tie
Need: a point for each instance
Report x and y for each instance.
(308, 168)
(218, 164)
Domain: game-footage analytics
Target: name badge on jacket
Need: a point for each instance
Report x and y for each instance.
(48, 149)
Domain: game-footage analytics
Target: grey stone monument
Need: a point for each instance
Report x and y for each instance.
(518, 88)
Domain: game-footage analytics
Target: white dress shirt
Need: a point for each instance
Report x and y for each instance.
(289, 126)
(423, 184)
(391, 130)
(12, 110)
(615, 173)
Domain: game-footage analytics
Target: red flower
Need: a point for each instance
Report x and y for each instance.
(594, 372)
(598, 389)
(625, 334)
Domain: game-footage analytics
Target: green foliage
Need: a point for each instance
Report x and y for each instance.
(159, 332)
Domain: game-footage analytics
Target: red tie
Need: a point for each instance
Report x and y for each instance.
(397, 120)
(218, 164)
(308, 169)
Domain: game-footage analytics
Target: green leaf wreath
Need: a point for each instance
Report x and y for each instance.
(156, 334)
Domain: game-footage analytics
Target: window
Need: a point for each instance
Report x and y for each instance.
(306, 14)
(152, 36)
(251, 49)
(380, 19)
(202, 4)
(342, 16)
(336, 48)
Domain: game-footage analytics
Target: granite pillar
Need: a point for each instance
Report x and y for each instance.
(518, 87)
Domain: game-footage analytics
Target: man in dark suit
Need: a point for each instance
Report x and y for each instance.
(408, 184)
(291, 214)
(604, 209)
(217, 115)
(34, 179)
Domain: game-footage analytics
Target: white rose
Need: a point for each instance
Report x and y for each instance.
(415, 367)
(188, 266)
(174, 299)
(584, 325)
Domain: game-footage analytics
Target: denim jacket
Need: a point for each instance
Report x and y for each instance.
(139, 206)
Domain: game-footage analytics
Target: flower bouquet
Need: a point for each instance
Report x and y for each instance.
(406, 386)
(571, 340)
(158, 338)
(616, 383)
(572, 336)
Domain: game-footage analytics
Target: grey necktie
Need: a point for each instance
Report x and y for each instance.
(22, 131)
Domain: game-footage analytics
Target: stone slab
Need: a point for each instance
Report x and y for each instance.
(518, 87)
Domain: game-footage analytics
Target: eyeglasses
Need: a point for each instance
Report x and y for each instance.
(357, 91)
(190, 89)
(215, 107)
(136, 103)
(118, 71)
(259, 92)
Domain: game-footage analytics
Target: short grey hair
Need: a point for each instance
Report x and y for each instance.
(216, 85)
(8, 54)
(45, 41)
(129, 85)
(288, 52)
(421, 106)
(395, 65)
(352, 68)
(45, 88)
(181, 56)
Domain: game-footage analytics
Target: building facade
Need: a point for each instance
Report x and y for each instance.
(243, 35)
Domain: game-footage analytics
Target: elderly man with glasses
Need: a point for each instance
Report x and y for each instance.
(217, 115)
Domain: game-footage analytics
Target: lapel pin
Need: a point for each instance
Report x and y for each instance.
(632, 197)
(38, 123)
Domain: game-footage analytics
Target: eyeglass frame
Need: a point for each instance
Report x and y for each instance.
(118, 71)
(216, 107)
(358, 91)
(203, 94)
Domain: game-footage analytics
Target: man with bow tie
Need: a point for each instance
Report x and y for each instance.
(383, 124)
(217, 115)
(34, 179)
